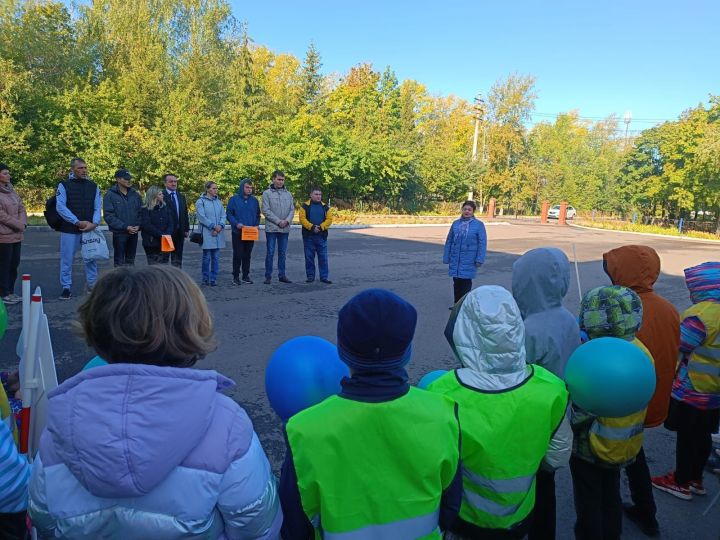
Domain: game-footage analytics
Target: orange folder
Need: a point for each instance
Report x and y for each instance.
(250, 233)
(166, 243)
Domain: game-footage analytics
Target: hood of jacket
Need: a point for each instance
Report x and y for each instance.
(7, 188)
(611, 311)
(540, 280)
(703, 282)
(633, 266)
(122, 428)
(486, 332)
(242, 186)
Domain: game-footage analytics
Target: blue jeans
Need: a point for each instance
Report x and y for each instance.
(210, 265)
(282, 242)
(69, 245)
(316, 244)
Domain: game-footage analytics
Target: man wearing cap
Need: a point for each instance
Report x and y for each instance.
(380, 459)
(178, 209)
(121, 210)
(78, 202)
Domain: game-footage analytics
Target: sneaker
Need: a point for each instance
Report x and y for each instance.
(267, 281)
(213, 284)
(668, 484)
(247, 280)
(15, 297)
(326, 281)
(236, 282)
(696, 487)
(284, 279)
(9, 300)
(309, 280)
(647, 524)
(65, 294)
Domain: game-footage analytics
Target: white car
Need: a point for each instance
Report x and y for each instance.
(554, 212)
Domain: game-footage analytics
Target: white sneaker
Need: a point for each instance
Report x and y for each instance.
(9, 300)
(15, 297)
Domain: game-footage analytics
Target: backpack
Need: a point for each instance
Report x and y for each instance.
(51, 214)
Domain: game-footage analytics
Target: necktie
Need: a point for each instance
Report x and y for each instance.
(174, 202)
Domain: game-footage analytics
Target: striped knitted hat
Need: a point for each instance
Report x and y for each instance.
(703, 282)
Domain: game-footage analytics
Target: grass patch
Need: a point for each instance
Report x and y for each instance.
(652, 229)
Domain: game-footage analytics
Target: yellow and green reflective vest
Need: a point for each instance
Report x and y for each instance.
(618, 440)
(375, 470)
(704, 362)
(505, 436)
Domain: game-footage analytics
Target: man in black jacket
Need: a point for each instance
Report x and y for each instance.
(181, 228)
(121, 209)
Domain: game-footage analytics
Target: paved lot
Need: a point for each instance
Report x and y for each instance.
(252, 320)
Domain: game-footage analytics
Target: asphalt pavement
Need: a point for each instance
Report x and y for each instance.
(252, 320)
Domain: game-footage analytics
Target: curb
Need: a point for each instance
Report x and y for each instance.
(656, 235)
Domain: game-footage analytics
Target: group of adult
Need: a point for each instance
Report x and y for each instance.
(161, 219)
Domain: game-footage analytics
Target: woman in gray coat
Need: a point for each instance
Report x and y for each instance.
(211, 216)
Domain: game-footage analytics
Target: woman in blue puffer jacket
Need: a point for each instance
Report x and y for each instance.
(465, 249)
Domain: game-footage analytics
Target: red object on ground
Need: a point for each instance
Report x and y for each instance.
(24, 429)
(491, 208)
(563, 213)
(544, 212)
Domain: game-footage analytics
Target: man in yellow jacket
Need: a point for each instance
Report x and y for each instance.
(316, 218)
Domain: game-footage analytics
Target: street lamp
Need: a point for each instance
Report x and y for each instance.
(627, 119)
(479, 110)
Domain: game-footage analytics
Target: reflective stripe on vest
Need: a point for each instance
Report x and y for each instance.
(416, 527)
(616, 433)
(707, 369)
(704, 362)
(509, 485)
(9, 422)
(478, 502)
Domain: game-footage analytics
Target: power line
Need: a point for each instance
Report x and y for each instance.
(596, 118)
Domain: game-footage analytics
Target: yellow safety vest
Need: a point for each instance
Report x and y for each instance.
(618, 440)
(704, 362)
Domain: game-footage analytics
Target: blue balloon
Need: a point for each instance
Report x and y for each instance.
(302, 372)
(431, 377)
(610, 377)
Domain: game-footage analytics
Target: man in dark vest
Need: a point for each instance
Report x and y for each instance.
(316, 218)
(178, 206)
(79, 204)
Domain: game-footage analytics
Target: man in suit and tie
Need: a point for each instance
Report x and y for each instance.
(178, 206)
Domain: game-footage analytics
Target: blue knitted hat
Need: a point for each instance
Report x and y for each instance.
(375, 330)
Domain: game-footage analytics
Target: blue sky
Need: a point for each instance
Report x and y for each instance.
(654, 58)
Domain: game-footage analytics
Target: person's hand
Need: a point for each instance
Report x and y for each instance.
(187, 234)
(239, 226)
(132, 229)
(90, 227)
(136, 229)
(82, 225)
(317, 228)
(284, 223)
(478, 264)
(13, 381)
(214, 232)
(219, 228)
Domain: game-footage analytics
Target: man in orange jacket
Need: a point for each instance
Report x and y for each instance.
(638, 267)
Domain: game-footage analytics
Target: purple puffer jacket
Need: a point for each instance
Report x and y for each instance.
(140, 451)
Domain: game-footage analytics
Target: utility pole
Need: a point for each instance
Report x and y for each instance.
(479, 110)
(627, 119)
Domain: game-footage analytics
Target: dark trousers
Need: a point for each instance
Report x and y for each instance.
(461, 287)
(155, 256)
(598, 505)
(692, 450)
(242, 250)
(124, 249)
(9, 262)
(316, 245)
(638, 475)
(13, 526)
(178, 238)
(543, 523)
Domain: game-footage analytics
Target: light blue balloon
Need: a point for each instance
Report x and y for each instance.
(302, 372)
(431, 377)
(610, 377)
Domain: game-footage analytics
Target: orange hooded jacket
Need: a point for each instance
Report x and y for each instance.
(638, 267)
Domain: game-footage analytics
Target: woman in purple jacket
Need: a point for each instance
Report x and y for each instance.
(147, 446)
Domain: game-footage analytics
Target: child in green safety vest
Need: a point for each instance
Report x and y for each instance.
(512, 416)
(602, 446)
(381, 459)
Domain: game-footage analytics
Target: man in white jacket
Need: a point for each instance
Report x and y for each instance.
(278, 207)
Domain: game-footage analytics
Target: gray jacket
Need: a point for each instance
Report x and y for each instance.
(210, 213)
(121, 211)
(277, 205)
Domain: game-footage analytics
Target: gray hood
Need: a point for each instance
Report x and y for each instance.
(540, 280)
